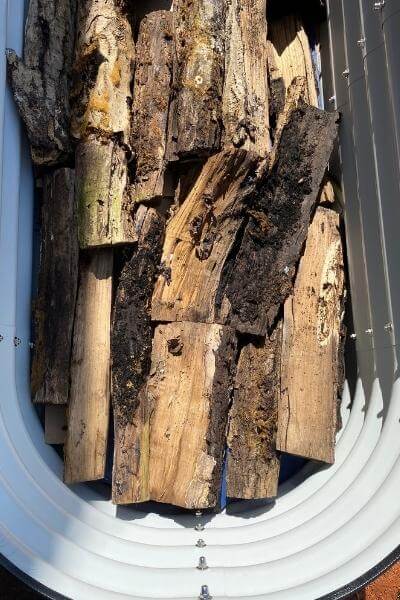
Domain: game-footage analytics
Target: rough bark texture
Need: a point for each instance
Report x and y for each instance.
(88, 411)
(189, 391)
(54, 306)
(245, 96)
(105, 210)
(41, 81)
(199, 238)
(131, 358)
(311, 360)
(152, 89)
(253, 463)
(196, 115)
(260, 277)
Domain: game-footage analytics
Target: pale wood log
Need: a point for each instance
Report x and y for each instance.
(55, 424)
(311, 347)
(131, 343)
(152, 90)
(41, 80)
(196, 113)
(280, 209)
(253, 462)
(245, 95)
(88, 411)
(199, 238)
(189, 390)
(54, 306)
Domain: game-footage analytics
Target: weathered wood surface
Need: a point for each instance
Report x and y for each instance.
(189, 391)
(54, 306)
(280, 209)
(253, 462)
(55, 424)
(199, 238)
(311, 362)
(131, 343)
(245, 95)
(105, 209)
(152, 90)
(196, 114)
(88, 411)
(41, 80)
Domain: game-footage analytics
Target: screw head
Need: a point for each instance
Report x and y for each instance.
(202, 566)
(200, 543)
(361, 42)
(198, 513)
(388, 327)
(369, 331)
(379, 5)
(346, 73)
(199, 527)
(205, 593)
(353, 336)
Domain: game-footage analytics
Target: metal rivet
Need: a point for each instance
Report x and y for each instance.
(199, 527)
(17, 341)
(388, 327)
(205, 593)
(201, 543)
(379, 5)
(369, 331)
(353, 336)
(346, 73)
(202, 566)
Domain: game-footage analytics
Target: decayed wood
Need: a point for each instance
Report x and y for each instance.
(131, 358)
(253, 463)
(88, 411)
(312, 344)
(55, 424)
(54, 306)
(279, 215)
(101, 101)
(152, 89)
(195, 125)
(199, 238)
(245, 96)
(41, 81)
(189, 391)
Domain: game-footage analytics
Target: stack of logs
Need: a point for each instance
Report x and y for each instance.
(191, 276)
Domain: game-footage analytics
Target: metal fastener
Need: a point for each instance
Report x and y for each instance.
(202, 566)
(17, 341)
(200, 543)
(346, 73)
(379, 5)
(353, 336)
(332, 99)
(205, 593)
(369, 331)
(198, 513)
(199, 527)
(388, 326)
(361, 42)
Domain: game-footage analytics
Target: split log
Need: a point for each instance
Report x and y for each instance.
(253, 463)
(101, 101)
(189, 391)
(280, 210)
(131, 358)
(41, 81)
(312, 345)
(195, 125)
(245, 96)
(153, 81)
(54, 306)
(88, 411)
(55, 424)
(199, 238)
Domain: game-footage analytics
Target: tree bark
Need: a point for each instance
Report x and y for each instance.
(153, 83)
(311, 361)
(195, 127)
(253, 463)
(189, 392)
(131, 358)
(41, 81)
(54, 306)
(88, 412)
(199, 238)
(245, 96)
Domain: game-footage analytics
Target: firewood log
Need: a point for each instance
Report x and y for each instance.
(41, 80)
(312, 345)
(131, 358)
(253, 462)
(189, 391)
(54, 306)
(88, 410)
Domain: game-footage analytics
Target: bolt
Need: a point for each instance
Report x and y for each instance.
(353, 336)
(388, 327)
(346, 73)
(200, 543)
(199, 527)
(369, 331)
(205, 593)
(202, 566)
(379, 5)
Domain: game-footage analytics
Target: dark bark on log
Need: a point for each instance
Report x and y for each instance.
(152, 90)
(260, 277)
(58, 279)
(41, 81)
(131, 342)
(253, 462)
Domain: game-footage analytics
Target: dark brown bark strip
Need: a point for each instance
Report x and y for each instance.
(58, 278)
(41, 81)
(131, 341)
(261, 276)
